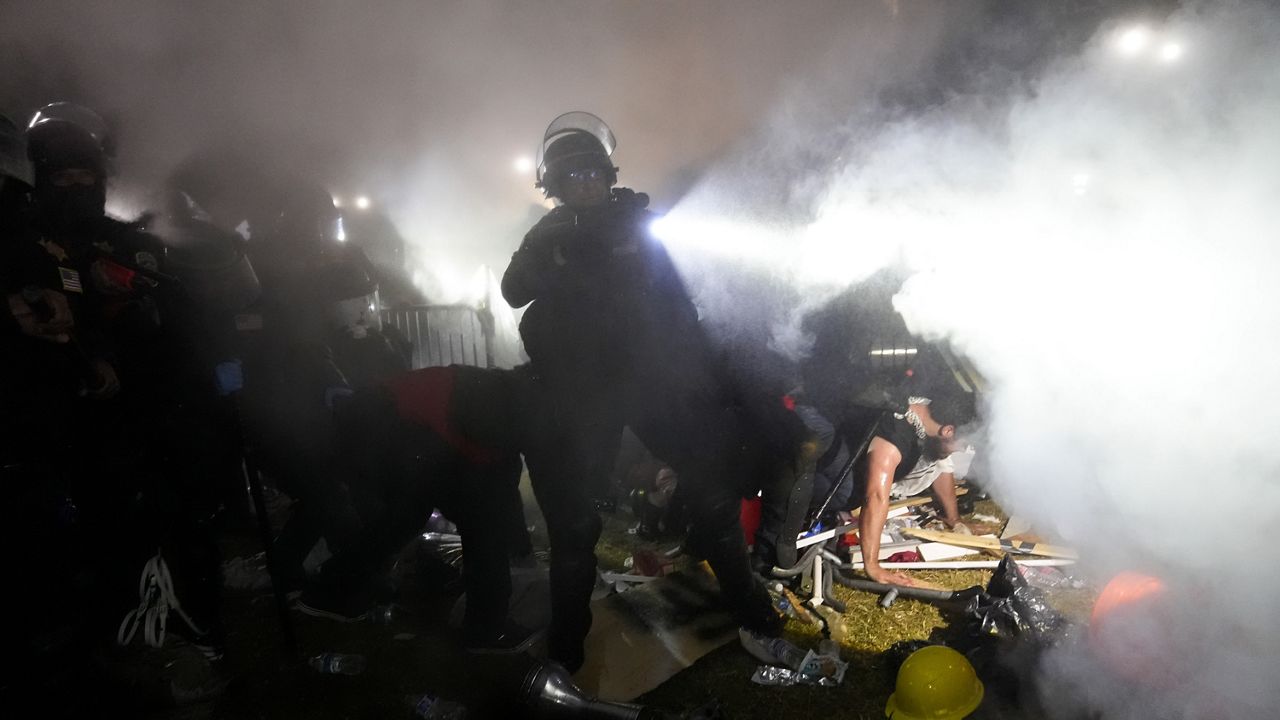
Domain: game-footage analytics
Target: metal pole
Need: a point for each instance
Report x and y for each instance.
(264, 532)
(846, 470)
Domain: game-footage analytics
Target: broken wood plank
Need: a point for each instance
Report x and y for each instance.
(997, 544)
(936, 551)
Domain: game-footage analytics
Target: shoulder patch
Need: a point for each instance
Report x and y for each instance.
(54, 249)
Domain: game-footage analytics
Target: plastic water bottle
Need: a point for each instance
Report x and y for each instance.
(829, 648)
(337, 664)
(431, 707)
(788, 654)
(783, 606)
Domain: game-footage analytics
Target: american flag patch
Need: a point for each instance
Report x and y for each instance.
(70, 280)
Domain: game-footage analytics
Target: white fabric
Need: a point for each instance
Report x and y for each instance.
(923, 475)
(920, 478)
(155, 599)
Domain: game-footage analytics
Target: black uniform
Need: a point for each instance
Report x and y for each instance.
(614, 340)
(97, 484)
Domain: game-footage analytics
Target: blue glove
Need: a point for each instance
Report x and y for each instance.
(228, 376)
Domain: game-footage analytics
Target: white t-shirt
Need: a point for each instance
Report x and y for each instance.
(927, 471)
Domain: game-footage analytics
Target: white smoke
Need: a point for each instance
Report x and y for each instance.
(1105, 249)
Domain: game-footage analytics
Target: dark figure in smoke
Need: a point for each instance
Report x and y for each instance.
(868, 376)
(40, 383)
(317, 335)
(608, 308)
(441, 437)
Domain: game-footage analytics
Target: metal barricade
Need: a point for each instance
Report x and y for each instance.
(444, 334)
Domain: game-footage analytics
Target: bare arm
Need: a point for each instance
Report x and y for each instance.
(944, 490)
(882, 461)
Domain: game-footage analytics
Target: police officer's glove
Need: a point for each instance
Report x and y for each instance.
(228, 377)
(43, 314)
(545, 235)
(631, 198)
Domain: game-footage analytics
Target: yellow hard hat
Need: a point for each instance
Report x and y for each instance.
(935, 683)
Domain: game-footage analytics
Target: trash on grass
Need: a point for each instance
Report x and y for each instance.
(815, 669)
(1011, 608)
(1049, 578)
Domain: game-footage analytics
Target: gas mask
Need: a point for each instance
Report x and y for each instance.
(70, 207)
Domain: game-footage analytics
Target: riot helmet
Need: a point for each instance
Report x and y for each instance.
(308, 216)
(65, 135)
(71, 153)
(208, 259)
(349, 287)
(303, 225)
(575, 141)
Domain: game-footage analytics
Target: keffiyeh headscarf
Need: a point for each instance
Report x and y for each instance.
(913, 419)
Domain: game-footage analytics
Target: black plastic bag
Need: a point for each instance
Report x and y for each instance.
(1012, 609)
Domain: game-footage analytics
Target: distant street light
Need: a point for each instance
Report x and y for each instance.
(1171, 52)
(1080, 183)
(524, 165)
(1133, 40)
(362, 202)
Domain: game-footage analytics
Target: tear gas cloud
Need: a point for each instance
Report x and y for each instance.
(424, 107)
(1103, 247)
(1098, 235)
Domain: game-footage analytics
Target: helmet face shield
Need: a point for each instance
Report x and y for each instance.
(573, 141)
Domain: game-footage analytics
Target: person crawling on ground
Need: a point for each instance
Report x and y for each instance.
(440, 437)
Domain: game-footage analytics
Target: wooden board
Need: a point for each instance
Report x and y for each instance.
(935, 551)
(641, 638)
(996, 544)
(1017, 525)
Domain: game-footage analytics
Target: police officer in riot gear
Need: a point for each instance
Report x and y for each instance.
(614, 340)
(316, 337)
(90, 408)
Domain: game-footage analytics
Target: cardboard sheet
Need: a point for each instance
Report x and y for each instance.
(642, 637)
